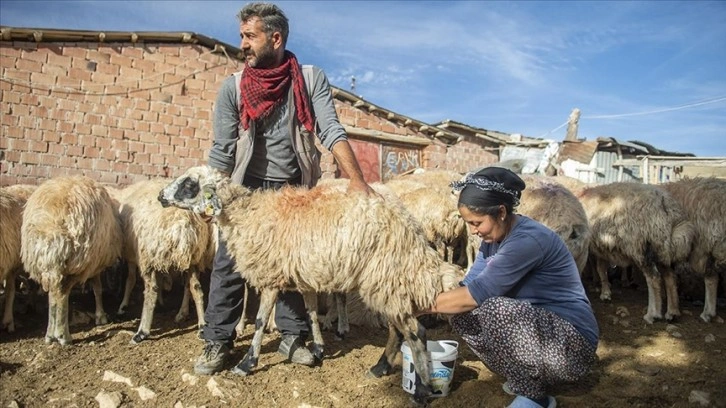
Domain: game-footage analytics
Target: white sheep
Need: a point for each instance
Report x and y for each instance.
(704, 202)
(22, 191)
(162, 242)
(643, 226)
(324, 240)
(70, 233)
(428, 196)
(552, 204)
(433, 178)
(11, 220)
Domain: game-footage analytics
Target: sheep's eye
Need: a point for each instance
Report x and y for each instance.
(189, 189)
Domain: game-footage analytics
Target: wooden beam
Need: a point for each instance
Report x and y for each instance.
(378, 136)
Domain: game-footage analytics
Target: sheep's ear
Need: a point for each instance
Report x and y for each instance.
(211, 206)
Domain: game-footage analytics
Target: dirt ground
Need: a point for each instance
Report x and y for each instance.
(640, 365)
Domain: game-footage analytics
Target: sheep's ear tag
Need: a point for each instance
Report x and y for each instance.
(211, 202)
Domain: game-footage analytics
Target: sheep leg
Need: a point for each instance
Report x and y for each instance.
(415, 335)
(626, 276)
(98, 295)
(240, 328)
(62, 328)
(341, 305)
(602, 272)
(709, 303)
(151, 292)
(52, 307)
(8, 321)
(267, 301)
(671, 290)
(655, 299)
(195, 287)
(183, 312)
(311, 305)
(384, 366)
(128, 288)
(331, 301)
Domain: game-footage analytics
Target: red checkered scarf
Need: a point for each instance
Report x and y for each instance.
(262, 90)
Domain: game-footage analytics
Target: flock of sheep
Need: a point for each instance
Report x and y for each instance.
(393, 253)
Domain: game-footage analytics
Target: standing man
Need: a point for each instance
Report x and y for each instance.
(265, 121)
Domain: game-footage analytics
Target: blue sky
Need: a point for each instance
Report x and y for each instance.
(648, 71)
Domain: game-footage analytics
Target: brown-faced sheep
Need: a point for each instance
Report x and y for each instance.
(704, 202)
(70, 233)
(11, 219)
(324, 240)
(643, 226)
(161, 242)
(552, 204)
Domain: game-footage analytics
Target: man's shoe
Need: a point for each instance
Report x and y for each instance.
(293, 348)
(212, 359)
(507, 389)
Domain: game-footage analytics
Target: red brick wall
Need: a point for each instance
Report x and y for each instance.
(114, 112)
(123, 112)
(470, 153)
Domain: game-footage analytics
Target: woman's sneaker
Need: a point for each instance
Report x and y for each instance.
(212, 359)
(524, 402)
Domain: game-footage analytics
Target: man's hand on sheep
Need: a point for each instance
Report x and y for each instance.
(360, 185)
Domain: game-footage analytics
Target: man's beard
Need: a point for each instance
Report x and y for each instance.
(264, 59)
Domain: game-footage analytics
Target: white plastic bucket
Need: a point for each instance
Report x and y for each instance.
(442, 355)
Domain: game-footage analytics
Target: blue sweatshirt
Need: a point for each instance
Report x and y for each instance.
(532, 264)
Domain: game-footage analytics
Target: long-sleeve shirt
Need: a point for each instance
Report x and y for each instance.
(532, 264)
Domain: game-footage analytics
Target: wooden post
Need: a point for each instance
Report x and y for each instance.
(572, 125)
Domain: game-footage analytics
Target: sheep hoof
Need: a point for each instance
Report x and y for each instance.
(139, 337)
(65, 342)
(245, 366)
(121, 310)
(180, 318)
(669, 317)
(48, 339)
(101, 319)
(420, 399)
(200, 334)
(649, 319)
(606, 296)
(317, 352)
(9, 326)
(381, 368)
(339, 335)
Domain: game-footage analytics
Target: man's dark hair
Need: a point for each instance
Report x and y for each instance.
(273, 19)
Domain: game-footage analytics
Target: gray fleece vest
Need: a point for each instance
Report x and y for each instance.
(303, 142)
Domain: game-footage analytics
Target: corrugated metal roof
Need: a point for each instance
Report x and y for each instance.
(581, 151)
(493, 136)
